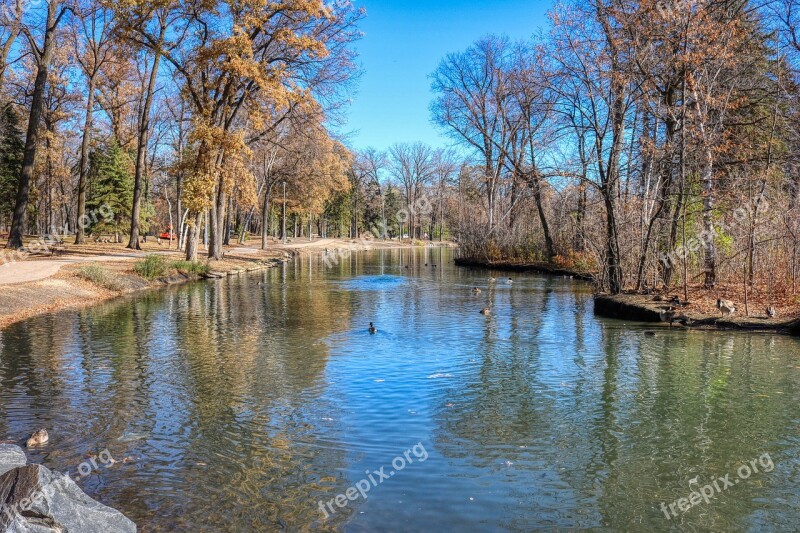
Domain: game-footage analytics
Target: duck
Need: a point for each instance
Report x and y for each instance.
(476, 290)
(510, 281)
(672, 316)
(372, 329)
(726, 307)
(492, 280)
(771, 313)
(38, 438)
(486, 311)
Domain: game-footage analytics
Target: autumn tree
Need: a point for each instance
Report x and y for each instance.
(43, 56)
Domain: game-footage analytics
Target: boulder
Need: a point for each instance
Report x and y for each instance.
(34, 499)
(11, 457)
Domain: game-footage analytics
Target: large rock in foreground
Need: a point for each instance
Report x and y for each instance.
(11, 457)
(34, 499)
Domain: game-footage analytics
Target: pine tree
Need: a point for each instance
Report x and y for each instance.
(111, 171)
(11, 150)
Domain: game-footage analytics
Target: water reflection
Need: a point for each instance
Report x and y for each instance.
(239, 405)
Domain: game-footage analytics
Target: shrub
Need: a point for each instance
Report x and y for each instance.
(102, 277)
(191, 268)
(152, 267)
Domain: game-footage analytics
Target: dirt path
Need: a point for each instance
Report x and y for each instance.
(37, 270)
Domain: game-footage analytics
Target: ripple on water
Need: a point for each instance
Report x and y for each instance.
(242, 405)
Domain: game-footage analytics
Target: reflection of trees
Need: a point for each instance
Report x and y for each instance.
(499, 406)
(615, 422)
(213, 389)
(218, 390)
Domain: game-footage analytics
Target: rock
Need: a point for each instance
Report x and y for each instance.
(35, 500)
(11, 457)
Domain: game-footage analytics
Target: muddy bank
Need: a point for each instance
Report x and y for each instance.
(641, 308)
(510, 266)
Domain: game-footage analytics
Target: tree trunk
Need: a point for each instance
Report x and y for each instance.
(83, 174)
(141, 146)
(265, 218)
(193, 238)
(14, 26)
(611, 187)
(550, 247)
(19, 221)
(218, 223)
(709, 237)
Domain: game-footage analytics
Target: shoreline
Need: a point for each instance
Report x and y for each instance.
(642, 308)
(67, 290)
(53, 284)
(537, 267)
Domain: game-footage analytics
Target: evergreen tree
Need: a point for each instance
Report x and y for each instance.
(111, 173)
(11, 150)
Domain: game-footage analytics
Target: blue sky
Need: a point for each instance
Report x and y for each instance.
(404, 42)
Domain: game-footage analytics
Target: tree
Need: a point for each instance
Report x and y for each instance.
(111, 170)
(93, 41)
(12, 10)
(413, 166)
(11, 151)
(44, 57)
(469, 103)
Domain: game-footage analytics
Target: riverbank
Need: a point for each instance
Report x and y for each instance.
(700, 310)
(536, 267)
(80, 276)
(700, 313)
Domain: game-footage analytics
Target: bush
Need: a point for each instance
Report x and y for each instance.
(102, 277)
(191, 268)
(152, 267)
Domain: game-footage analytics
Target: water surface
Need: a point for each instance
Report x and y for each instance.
(240, 405)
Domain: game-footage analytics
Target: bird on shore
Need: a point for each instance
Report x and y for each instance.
(726, 307)
(372, 329)
(670, 315)
(476, 290)
(771, 313)
(38, 438)
(486, 311)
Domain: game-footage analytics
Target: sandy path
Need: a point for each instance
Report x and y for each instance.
(27, 271)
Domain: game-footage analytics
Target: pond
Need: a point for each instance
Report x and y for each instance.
(264, 403)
